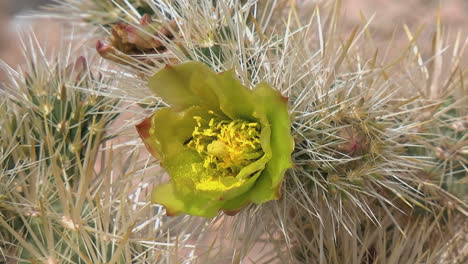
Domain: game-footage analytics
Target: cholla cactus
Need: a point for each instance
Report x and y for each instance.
(44, 117)
(370, 166)
(49, 133)
(66, 195)
(444, 141)
(442, 112)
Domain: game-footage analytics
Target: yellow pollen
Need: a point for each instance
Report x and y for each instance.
(226, 145)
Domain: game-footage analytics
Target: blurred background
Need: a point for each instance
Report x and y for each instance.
(389, 16)
(12, 22)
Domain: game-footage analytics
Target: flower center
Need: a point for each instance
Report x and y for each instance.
(227, 146)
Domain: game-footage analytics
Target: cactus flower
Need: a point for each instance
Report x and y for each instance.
(223, 145)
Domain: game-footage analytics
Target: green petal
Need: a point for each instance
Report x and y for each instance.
(182, 86)
(188, 181)
(194, 83)
(275, 107)
(179, 166)
(235, 186)
(164, 194)
(233, 206)
(175, 203)
(170, 129)
(203, 207)
(235, 100)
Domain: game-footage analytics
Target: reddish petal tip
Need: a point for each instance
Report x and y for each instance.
(231, 212)
(100, 46)
(169, 213)
(144, 127)
(143, 130)
(145, 19)
(278, 191)
(81, 60)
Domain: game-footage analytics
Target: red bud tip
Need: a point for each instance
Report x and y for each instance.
(231, 212)
(145, 19)
(144, 127)
(99, 46)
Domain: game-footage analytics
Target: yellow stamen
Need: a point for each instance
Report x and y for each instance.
(226, 145)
